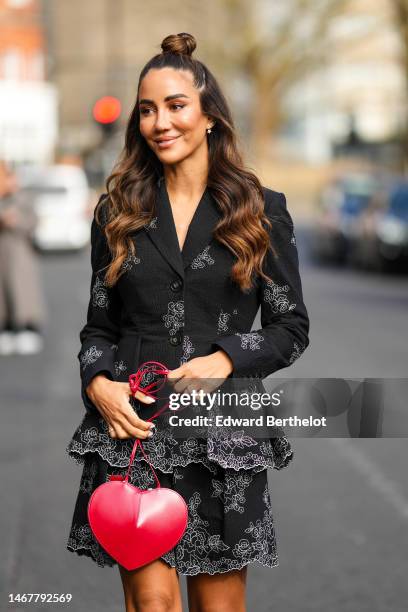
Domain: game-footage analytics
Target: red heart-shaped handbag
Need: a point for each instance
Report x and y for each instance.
(137, 526)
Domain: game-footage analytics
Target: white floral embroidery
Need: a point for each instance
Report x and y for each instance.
(148, 377)
(297, 351)
(193, 448)
(293, 239)
(262, 532)
(165, 451)
(250, 340)
(82, 539)
(152, 224)
(90, 356)
(266, 496)
(119, 366)
(188, 349)
(231, 490)
(90, 436)
(130, 261)
(100, 297)
(196, 536)
(174, 318)
(250, 388)
(202, 259)
(275, 296)
(222, 325)
(114, 347)
(223, 319)
(200, 549)
(228, 449)
(200, 546)
(88, 475)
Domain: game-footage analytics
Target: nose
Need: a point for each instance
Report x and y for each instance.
(162, 119)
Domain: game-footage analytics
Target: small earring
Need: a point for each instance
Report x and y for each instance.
(208, 130)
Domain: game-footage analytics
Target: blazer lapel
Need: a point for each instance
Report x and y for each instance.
(200, 231)
(163, 234)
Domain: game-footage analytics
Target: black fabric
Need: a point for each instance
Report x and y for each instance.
(171, 306)
(230, 520)
(208, 308)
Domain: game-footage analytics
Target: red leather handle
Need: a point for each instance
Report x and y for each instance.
(151, 390)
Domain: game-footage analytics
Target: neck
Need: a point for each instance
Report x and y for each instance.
(186, 180)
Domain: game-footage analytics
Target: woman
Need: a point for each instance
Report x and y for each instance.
(186, 245)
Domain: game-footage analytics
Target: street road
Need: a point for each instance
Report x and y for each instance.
(341, 508)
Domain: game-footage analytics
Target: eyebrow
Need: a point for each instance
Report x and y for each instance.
(166, 99)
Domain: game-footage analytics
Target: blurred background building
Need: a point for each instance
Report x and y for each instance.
(318, 91)
(28, 101)
(355, 94)
(313, 85)
(318, 88)
(97, 49)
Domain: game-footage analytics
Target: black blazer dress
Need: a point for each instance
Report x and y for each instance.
(171, 306)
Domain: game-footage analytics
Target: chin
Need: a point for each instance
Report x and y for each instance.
(171, 157)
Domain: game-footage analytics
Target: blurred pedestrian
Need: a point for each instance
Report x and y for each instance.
(22, 306)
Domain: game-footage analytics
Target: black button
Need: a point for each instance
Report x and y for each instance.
(176, 339)
(176, 285)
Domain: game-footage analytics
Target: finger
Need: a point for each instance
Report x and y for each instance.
(136, 432)
(125, 386)
(193, 387)
(143, 397)
(176, 373)
(181, 385)
(111, 430)
(117, 431)
(146, 399)
(138, 394)
(210, 385)
(133, 419)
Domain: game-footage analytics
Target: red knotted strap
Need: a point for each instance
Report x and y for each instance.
(151, 390)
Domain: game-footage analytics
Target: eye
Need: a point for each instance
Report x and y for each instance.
(145, 110)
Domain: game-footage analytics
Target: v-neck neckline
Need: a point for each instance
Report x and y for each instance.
(193, 218)
(162, 232)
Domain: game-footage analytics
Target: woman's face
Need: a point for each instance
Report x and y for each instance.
(171, 120)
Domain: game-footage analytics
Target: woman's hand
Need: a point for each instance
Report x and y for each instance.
(218, 365)
(112, 400)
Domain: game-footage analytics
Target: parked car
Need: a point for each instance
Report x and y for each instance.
(61, 199)
(340, 206)
(382, 236)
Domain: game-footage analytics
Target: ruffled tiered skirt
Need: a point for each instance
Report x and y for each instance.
(222, 480)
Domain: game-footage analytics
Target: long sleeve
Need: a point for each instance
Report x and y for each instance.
(285, 323)
(100, 334)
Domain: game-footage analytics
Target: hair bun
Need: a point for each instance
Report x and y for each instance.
(183, 44)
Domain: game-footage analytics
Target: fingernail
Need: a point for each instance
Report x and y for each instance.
(152, 425)
(150, 400)
(149, 435)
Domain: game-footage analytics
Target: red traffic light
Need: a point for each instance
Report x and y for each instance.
(107, 109)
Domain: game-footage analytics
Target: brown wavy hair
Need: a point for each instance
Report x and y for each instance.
(239, 194)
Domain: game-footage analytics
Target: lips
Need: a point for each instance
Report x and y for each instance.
(166, 143)
(166, 139)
